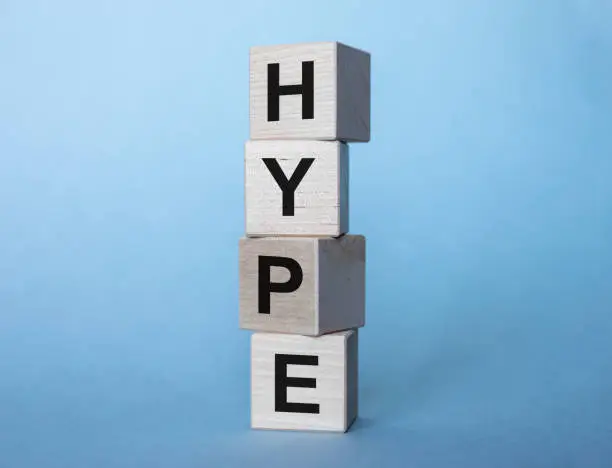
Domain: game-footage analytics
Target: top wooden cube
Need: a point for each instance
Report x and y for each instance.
(314, 91)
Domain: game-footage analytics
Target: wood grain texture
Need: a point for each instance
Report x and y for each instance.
(341, 93)
(321, 200)
(294, 312)
(336, 375)
(331, 296)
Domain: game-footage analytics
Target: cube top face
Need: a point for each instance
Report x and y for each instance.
(306, 286)
(311, 91)
(304, 383)
(296, 188)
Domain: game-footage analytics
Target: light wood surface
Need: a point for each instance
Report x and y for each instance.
(340, 89)
(331, 399)
(331, 293)
(319, 203)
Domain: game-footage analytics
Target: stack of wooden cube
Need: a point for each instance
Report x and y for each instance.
(302, 276)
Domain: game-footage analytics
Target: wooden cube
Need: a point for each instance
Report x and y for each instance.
(312, 91)
(295, 188)
(304, 383)
(307, 286)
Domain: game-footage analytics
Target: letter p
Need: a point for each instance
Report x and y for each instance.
(266, 286)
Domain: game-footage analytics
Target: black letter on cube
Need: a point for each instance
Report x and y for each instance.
(288, 186)
(265, 286)
(275, 91)
(282, 382)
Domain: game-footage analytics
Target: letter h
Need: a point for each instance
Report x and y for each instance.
(275, 91)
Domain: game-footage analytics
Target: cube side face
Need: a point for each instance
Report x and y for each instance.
(277, 285)
(318, 206)
(320, 363)
(344, 192)
(354, 94)
(341, 283)
(352, 378)
(293, 92)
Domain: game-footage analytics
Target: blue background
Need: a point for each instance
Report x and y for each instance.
(485, 195)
